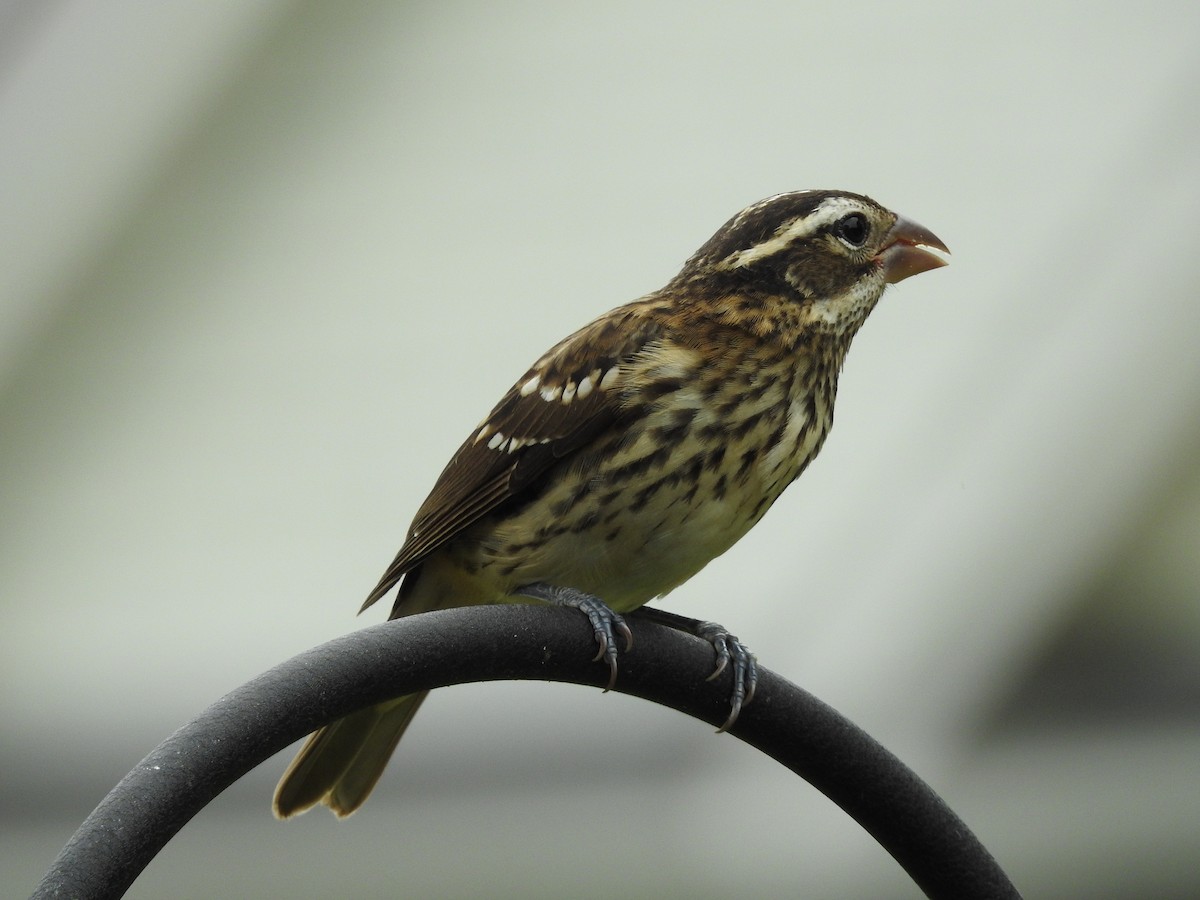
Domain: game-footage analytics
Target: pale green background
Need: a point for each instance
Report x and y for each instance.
(264, 265)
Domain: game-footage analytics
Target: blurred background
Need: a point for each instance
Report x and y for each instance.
(264, 265)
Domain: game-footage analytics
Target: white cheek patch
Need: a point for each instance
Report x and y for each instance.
(850, 308)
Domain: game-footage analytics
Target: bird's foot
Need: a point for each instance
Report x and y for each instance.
(731, 651)
(605, 623)
(731, 654)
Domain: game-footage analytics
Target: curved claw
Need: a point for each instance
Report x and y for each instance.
(605, 623)
(745, 668)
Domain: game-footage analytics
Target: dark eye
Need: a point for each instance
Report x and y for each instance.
(853, 229)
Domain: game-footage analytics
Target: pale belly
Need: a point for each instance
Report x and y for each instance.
(651, 556)
(630, 538)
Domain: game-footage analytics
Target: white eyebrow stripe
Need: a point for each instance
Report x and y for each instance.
(827, 213)
(781, 241)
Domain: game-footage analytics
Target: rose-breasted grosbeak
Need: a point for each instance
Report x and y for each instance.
(639, 448)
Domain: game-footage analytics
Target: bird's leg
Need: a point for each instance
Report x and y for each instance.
(729, 650)
(605, 623)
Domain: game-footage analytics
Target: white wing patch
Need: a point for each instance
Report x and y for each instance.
(595, 380)
(512, 444)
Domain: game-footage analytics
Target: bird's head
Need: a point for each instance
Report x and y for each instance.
(809, 260)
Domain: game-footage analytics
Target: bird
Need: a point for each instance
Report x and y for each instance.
(638, 449)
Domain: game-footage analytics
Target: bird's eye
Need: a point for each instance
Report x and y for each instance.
(853, 229)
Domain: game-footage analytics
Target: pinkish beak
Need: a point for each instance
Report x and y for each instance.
(905, 254)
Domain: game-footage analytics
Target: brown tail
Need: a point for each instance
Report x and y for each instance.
(341, 763)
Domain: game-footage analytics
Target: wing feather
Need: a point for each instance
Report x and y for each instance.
(529, 431)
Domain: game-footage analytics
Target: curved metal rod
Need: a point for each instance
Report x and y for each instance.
(521, 642)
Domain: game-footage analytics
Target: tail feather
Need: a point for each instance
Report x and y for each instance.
(341, 763)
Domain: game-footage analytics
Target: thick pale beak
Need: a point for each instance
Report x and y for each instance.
(905, 254)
